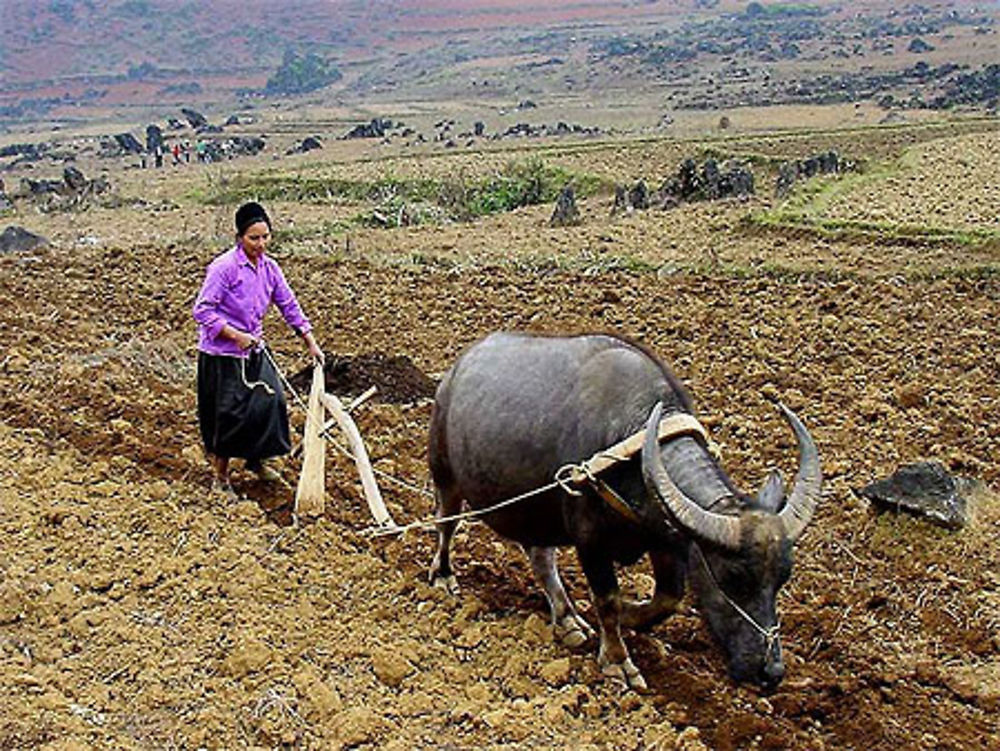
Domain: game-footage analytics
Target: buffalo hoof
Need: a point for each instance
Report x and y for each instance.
(448, 583)
(625, 673)
(573, 631)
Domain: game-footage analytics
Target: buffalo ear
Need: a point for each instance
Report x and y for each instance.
(772, 495)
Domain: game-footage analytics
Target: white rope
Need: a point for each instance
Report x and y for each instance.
(562, 479)
(251, 386)
(475, 513)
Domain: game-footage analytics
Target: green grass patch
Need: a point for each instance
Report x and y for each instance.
(391, 201)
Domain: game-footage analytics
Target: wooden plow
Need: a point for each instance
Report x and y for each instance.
(310, 494)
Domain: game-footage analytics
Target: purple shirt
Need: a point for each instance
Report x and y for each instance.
(238, 293)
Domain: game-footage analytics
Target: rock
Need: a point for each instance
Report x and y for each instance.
(621, 200)
(196, 119)
(924, 489)
(310, 143)
(16, 239)
(638, 197)
(154, 139)
(128, 143)
(565, 213)
(74, 179)
(377, 128)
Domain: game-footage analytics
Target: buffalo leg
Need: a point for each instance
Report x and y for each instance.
(449, 503)
(669, 573)
(569, 627)
(613, 657)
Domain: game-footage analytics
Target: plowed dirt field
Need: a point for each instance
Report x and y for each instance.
(139, 611)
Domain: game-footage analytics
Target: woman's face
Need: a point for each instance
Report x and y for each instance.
(255, 239)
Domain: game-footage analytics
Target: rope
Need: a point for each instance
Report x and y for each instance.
(563, 479)
(770, 634)
(252, 386)
(475, 513)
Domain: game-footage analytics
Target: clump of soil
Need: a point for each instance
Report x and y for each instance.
(397, 379)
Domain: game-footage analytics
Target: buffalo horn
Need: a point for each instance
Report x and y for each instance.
(719, 529)
(801, 503)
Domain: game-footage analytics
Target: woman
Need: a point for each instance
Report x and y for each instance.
(241, 406)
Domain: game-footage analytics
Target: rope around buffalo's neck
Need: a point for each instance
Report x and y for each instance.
(770, 634)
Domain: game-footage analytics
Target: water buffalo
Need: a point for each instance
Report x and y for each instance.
(515, 408)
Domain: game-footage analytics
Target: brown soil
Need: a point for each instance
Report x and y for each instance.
(138, 611)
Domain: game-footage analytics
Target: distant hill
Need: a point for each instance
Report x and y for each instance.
(76, 59)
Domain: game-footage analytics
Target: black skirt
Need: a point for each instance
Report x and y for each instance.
(238, 415)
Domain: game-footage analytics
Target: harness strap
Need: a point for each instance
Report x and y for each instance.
(674, 425)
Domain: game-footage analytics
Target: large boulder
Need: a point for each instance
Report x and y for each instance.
(154, 139)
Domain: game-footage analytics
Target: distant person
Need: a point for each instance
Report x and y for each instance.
(158, 155)
(241, 406)
(177, 154)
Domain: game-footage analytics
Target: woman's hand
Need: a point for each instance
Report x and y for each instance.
(317, 354)
(244, 340)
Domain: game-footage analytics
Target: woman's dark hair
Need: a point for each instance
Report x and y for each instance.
(248, 214)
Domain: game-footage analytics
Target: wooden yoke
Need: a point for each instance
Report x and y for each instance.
(310, 495)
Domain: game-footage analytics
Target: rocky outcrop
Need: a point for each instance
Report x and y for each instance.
(731, 179)
(377, 128)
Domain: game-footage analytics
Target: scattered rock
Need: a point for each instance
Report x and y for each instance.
(311, 143)
(195, 118)
(565, 213)
(16, 239)
(924, 489)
